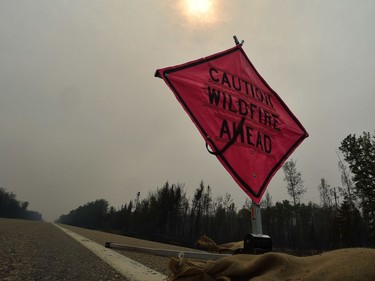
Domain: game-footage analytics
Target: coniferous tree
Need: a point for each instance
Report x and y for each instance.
(325, 193)
(349, 223)
(197, 209)
(266, 205)
(359, 153)
(10, 207)
(347, 190)
(294, 183)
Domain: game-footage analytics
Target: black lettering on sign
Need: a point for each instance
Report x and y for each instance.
(256, 107)
(246, 135)
(240, 85)
(225, 130)
(239, 106)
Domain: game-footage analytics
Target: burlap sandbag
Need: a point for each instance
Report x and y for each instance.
(207, 244)
(344, 264)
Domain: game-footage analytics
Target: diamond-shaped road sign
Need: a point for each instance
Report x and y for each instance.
(245, 123)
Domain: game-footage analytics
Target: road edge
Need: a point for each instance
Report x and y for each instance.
(129, 268)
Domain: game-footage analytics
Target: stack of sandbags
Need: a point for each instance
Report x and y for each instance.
(342, 265)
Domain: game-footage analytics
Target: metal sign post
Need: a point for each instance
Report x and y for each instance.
(256, 219)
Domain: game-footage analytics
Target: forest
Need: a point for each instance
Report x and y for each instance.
(10, 207)
(344, 217)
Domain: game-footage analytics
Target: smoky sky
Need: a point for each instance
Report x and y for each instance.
(82, 116)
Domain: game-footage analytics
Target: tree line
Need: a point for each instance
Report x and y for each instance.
(344, 216)
(10, 207)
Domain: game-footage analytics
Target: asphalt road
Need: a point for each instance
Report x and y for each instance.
(40, 251)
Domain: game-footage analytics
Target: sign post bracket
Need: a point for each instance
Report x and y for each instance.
(237, 42)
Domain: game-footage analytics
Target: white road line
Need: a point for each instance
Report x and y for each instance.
(131, 269)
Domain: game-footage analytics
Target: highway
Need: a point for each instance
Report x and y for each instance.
(31, 250)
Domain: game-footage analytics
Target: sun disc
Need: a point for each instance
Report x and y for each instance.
(199, 6)
(200, 12)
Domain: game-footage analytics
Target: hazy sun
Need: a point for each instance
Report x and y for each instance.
(199, 6)
(200, 11)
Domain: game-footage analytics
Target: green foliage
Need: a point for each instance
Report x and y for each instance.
(10, 207)
(359, 153)
(349, 224)
(166, 215)
(91, 215)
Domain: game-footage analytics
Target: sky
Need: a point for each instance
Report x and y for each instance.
(82, 116)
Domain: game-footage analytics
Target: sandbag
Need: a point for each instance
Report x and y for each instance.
(207, 244)
(343, 264)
